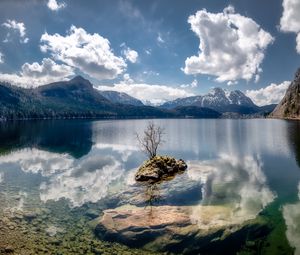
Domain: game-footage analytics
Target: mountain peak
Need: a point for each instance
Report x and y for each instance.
(81, 81)
(217, 99)
(216, 91)
(79, 78)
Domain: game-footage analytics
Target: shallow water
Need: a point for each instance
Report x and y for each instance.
(240, 193)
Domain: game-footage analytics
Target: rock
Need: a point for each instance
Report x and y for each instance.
(138, 226)
(92, 213)
(30, 215)
(289, 107)
(158, 168)
(8, 249)
(173, 228)
(53, 230)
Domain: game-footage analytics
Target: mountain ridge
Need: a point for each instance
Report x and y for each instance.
(222, 101)
(120, 97)
(77, 98)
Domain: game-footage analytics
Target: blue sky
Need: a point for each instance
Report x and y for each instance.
(150, 49)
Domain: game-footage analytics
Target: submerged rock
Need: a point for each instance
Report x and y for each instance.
(138, 226)
(158, 168)
(172, 229)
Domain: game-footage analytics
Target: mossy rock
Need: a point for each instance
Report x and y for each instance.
(159, 168)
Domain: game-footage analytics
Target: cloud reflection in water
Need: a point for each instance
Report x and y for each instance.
(234, 190)
(83, 180)
(291, 215)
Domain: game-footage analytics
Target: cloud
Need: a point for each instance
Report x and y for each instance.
(54, 6)
(130, 11)
(1, 58)
(129, 54)
(194, 84)
(271, 94)
(160, 39)
(127, 79)
(35, 74)
(231, 46)
(230, 83)
(290, 19)
(18, 27)
(149, 94)
(90, 53)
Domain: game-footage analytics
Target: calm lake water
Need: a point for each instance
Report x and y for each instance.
(67, 187)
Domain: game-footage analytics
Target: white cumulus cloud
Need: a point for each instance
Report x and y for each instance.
(130, 54)
(290, 19)
(53, 5)
(17, 27)
(271, 94)
(90, 53)
(232, 46)
(149, 94)
(35, 74)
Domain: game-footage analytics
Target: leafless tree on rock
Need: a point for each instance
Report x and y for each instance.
(151, 139)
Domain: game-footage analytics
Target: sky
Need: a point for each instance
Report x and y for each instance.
(155, 50)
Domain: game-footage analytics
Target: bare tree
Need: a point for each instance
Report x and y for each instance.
(151, 139)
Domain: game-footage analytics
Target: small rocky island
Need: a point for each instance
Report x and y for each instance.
(159, 168)
(156, 168)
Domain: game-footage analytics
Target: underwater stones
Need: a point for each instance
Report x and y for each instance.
(8, 249)
(30, 215)
(158, 168)
(139, 226)
(92, 213)
(53, 230)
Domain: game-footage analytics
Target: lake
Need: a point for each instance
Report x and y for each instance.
(67, 187)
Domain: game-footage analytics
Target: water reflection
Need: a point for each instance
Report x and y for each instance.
(294, 139)
(74, 138)
(291, 214)
(37, 161)
(236, 168)
(234, 190)
(88, 179)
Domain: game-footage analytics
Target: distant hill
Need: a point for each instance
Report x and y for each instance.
(222, 101)
(120, 98)
(289, 107)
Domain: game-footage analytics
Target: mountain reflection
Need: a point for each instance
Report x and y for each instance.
(72, 137)
(234, 190)
(294, 139)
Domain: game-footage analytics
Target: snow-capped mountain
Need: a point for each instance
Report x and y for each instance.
(121, 98)
(217, 99)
